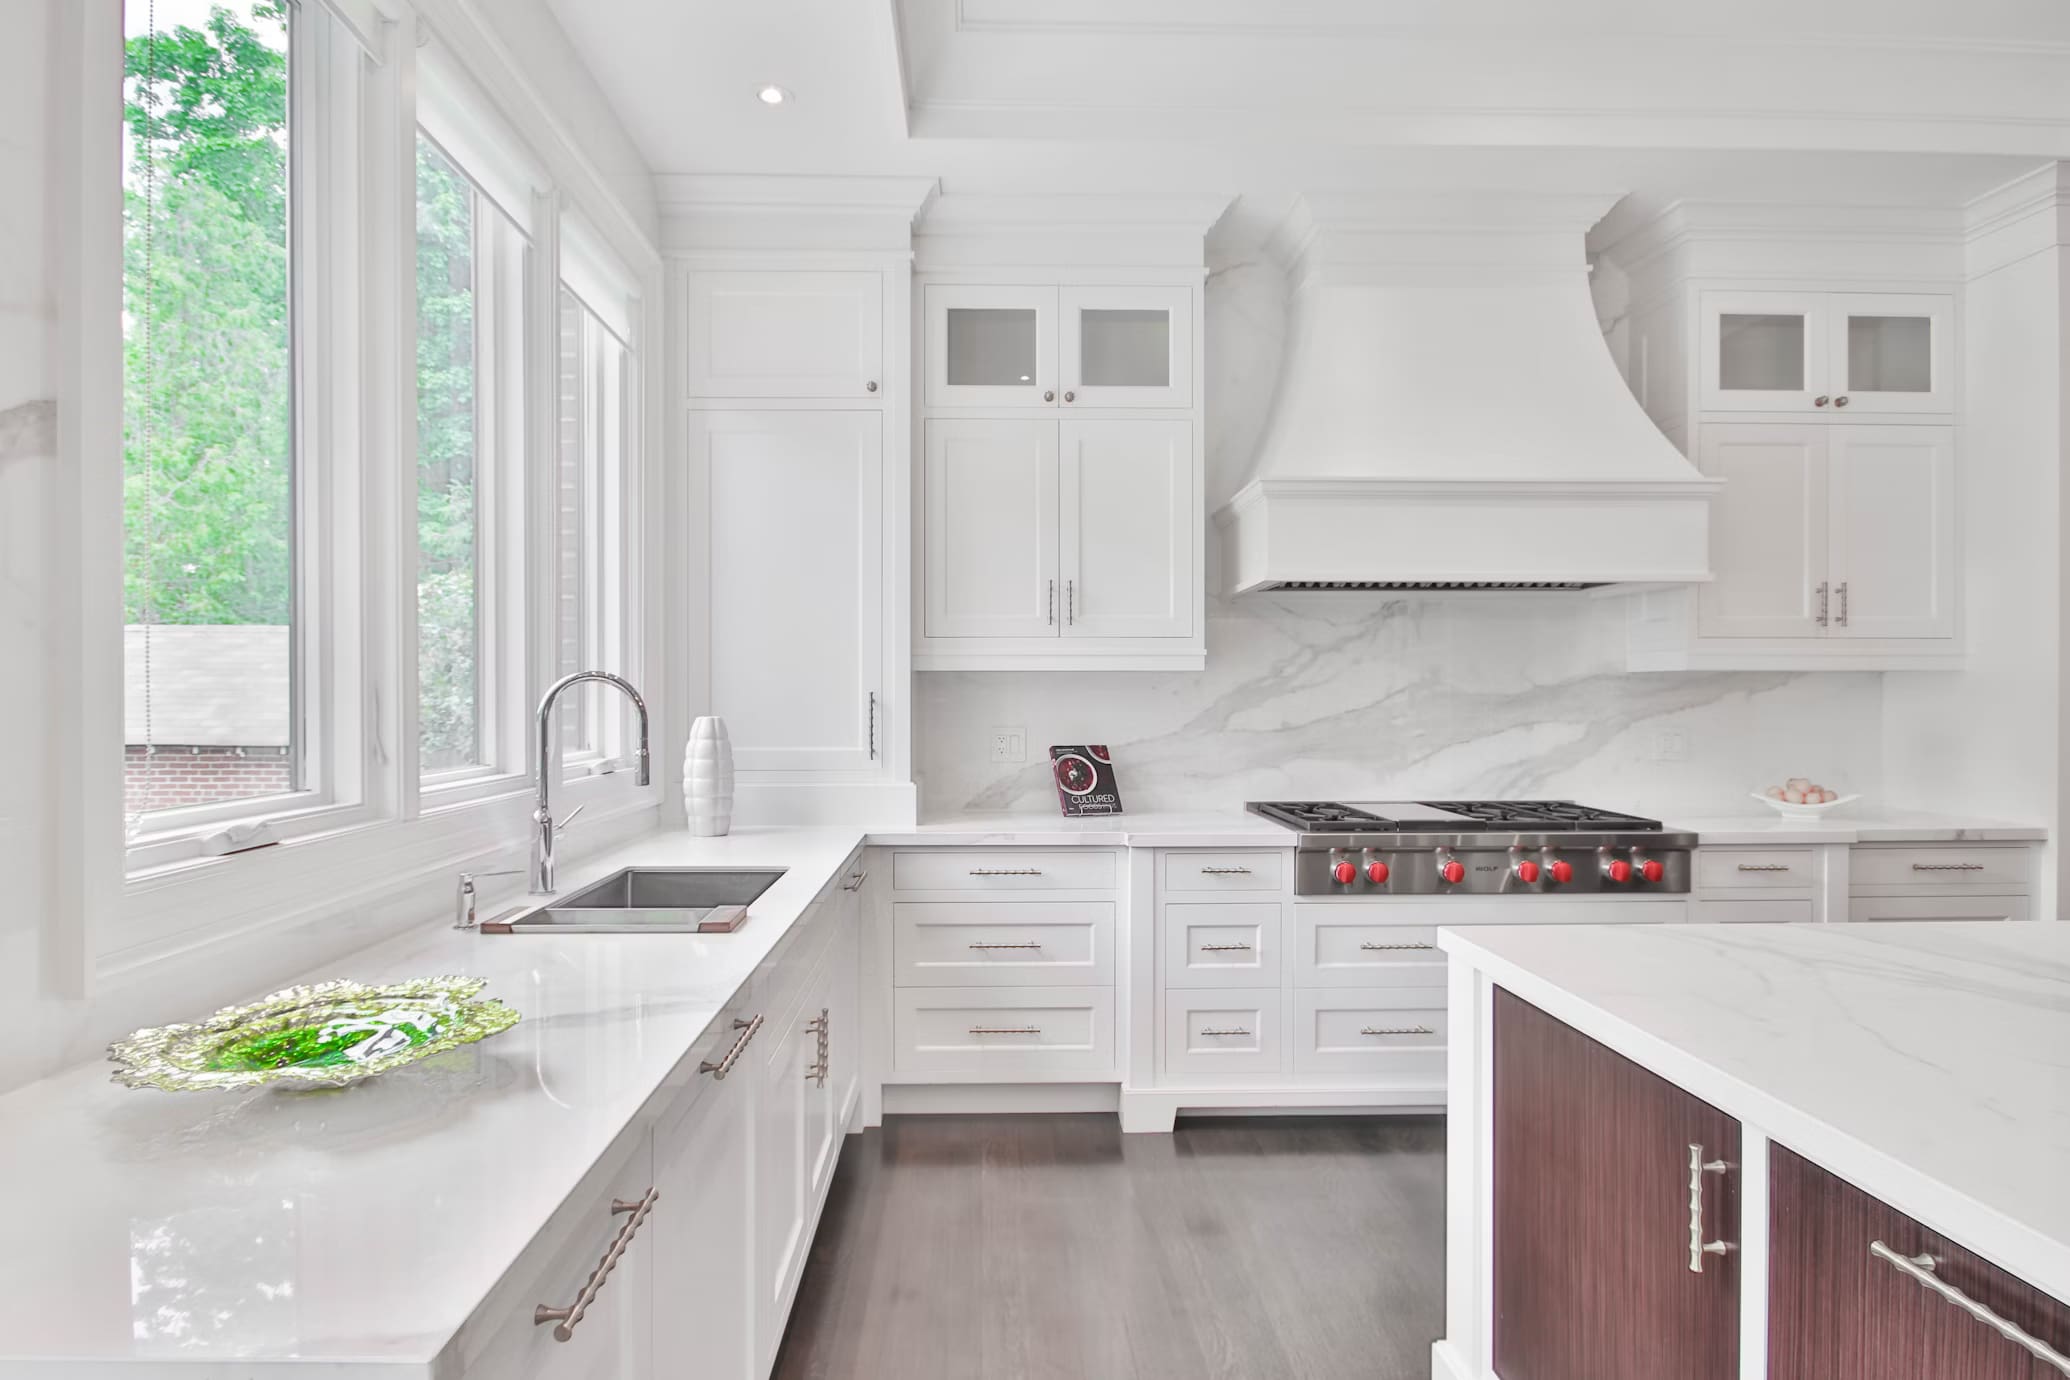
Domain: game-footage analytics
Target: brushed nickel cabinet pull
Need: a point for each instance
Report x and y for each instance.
(1383, 948)
(1070, 586)
(1223, 948)
(1698, 1247)
(566, 1320)
(1764, 867)
(1947, 867)
(1006, 1030)
(1822, 605)
(1006, 872)
(818, 1072)
(1052, 603)
(1005, 946)
(1398, 1030)
(873, 725)
(1840, 590)
(855, 883)
(1225, 1032)
(1920, 1270)
(747, 1031)
(1225, 872)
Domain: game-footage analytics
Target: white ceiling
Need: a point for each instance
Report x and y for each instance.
(1902, 101)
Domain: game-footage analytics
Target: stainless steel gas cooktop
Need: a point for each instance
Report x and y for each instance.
(1478, 848)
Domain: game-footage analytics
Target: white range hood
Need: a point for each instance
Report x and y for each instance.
(1449, 415)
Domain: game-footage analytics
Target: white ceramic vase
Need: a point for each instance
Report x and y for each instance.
(708, 777)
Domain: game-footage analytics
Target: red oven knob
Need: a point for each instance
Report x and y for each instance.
(1618, 871)
(1651, 870)
(1345, 873)
(1376, 872)
(1527, 872)
(1560, 870)
(1453, 872)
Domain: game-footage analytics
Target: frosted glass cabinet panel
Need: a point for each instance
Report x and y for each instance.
(1836, 354)
(1760, 351)
(991, 346)
(1892, 352)
(1763, 351)
(1127, 347)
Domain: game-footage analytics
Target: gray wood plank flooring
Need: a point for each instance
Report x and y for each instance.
(1056, 1248)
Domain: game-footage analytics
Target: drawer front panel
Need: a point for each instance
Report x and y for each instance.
(1951, 867)
(985, 1031)
(1211, 872)
(1722, 869)
(1003, 943)
(1394, 944)
(1864, 908)
(1370, 1034)
(1233, 1032)
(1752, 912)
(1020, 869)
(780, 980)
(1233, 944)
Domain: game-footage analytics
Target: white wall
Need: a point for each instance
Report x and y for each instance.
(1986, 739)
(1364, 696)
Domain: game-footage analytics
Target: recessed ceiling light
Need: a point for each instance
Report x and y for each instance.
(772, 94)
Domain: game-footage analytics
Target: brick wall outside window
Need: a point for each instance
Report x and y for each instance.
(199, 775)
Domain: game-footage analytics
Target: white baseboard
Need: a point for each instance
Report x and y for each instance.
(910, 1099)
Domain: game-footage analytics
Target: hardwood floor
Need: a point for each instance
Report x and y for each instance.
(1056, 1248)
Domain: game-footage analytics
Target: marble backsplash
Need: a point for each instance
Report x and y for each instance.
(1375, 696)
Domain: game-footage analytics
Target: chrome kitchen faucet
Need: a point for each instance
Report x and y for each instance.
(544, 829)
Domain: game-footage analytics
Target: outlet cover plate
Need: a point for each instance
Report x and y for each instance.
(1009, 743)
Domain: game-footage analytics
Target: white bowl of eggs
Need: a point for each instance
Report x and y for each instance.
(1802, 798)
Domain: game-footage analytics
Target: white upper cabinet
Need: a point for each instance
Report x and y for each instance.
(795, 504)
(991, 346)
(1838, 354)
(1126, 346)
(1768, 531)
(1125, 492)
(1893, 531)
(991, 546)
(782, 334)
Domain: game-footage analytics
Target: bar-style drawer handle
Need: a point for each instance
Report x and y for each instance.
(1398, 1030)
(1225, 872)
(1006, 1030)
(1698, 1247)
(1225, 1032)
(1384, 948)
(1947, 867)
(566, 1320)
(855, 883)
(1006, 946)
(1006, 872)
(1764, 867)
(1223, 948)
(747, 1031)
(1920, 1269)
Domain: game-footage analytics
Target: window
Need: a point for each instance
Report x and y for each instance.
(594, 398)
(214, 618)
(470, 465)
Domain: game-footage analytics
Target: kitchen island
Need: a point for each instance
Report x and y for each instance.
(1716, 1151)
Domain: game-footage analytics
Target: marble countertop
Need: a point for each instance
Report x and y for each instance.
(1929, 1064)
(214, 1236)
(1850, 827)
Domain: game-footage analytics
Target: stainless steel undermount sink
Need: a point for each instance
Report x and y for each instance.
(647, 900)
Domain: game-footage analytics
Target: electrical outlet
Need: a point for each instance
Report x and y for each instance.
(1009, 743)
(1671, 745)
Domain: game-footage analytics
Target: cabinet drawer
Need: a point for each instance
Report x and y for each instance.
(1937, 908)
(1726, 869)
(1790, 912)
(1086, 869)
(1209, 1034)
(1003, 943)
(1837, 1310)
(1228, 944)
(1342, 947)
(1971, 868)
(780, 980)
(1223, 871)
(1370, 1032)
(988, 1031)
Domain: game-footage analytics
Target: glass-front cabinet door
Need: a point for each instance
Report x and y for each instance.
(1126, 346)
(1891, 352)
(991, 346)
(1764, 351)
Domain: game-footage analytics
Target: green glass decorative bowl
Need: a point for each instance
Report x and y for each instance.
(323, 1036)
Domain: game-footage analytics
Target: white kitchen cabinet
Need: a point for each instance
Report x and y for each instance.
(704, 1326)
(1125, 346)
(991, 528)
(1059, 347)
(1125, 531)
(796, 583)
(1838, 354)
(784, 1102)
(1768, 531)
(784, 334)
(1871, 908)
(1892, 531)
(1051, 540)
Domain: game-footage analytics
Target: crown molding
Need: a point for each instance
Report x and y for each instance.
(972, 229)
(763, 211)
(2018, 219)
